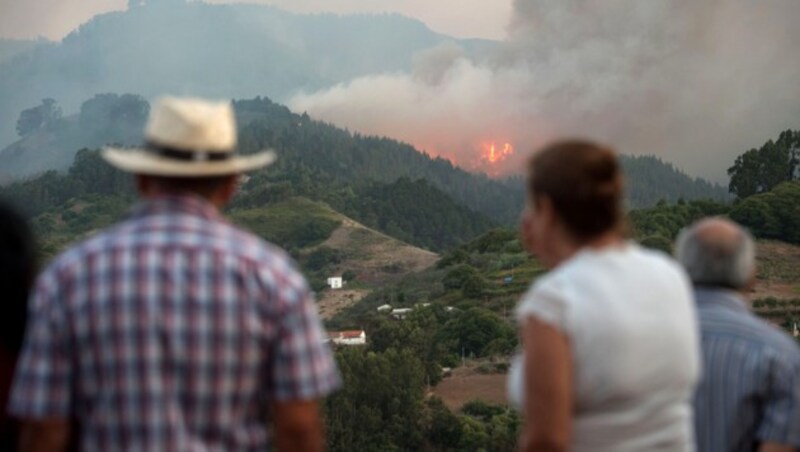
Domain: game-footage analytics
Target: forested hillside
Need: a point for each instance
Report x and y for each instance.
(410, 210)
(49, 140)
(651, 180)
(766, 182)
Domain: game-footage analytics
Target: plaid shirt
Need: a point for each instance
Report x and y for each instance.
(171, 331)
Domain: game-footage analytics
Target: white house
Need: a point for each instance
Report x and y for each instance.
(354, 337)
(335, 282)
(401, 313)
(384, 308)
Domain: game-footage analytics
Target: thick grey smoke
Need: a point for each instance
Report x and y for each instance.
(696, 83)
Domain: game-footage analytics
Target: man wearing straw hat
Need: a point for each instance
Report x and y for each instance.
(175, 330)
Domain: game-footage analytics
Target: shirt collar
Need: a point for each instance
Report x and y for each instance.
(728, 298)
(187, 204)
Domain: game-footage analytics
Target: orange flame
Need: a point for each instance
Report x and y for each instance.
(492, 154)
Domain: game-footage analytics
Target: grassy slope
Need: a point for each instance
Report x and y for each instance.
(302, 225)
(282, 220)
(778, 285)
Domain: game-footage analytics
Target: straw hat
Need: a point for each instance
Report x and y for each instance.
(188, 138)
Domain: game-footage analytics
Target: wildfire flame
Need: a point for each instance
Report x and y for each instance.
(493, 153)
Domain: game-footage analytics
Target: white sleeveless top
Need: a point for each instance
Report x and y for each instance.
(630, 319)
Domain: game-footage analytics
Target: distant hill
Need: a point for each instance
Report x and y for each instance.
(412, 211)
(211, 50)
(328, 163)
(52, 144)
(10, 48)
(652, 180)
(325, 242)
(314, 151)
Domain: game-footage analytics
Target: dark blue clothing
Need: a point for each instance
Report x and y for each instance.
(750, 389)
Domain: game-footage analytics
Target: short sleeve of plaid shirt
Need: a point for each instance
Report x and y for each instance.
(44, 377)
(302, 366)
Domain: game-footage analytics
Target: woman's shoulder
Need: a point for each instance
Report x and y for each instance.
(656, 262)
(547, 299)
(629, 257)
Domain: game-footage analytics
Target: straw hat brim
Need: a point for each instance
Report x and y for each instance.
(141, 161)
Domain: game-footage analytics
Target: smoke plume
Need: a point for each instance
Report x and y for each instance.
(695, 83)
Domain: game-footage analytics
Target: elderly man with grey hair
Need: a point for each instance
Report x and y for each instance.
(749, 396)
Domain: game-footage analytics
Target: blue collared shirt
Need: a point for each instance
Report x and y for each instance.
(750, 390)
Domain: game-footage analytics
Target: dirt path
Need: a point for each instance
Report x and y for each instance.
(376, 258)
(778, 271)
(332, 301)
(466, 384)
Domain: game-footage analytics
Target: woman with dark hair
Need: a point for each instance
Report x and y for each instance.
(610, 344)
(17, 271)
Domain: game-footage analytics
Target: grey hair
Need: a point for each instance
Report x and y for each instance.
(715, 260)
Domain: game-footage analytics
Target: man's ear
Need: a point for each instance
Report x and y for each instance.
(544, 207)
(751, 282)
(229, 189)
(525, 224)
(144, 185)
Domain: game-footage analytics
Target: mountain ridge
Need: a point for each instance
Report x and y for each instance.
(336, 164)
(186, 50)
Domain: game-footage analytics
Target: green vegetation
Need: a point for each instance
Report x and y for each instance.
(351, 172)
(489, 273)
(650, 180)
(760, 170)
(772, 215)
(772, 303)
(765, 180)
(658, 226)
(113, 118)
(294, 223)
(414, 212)
(313, 153)
(408, 210)
(382, 406)
(76, 219)
(44, 115)
(786, 313)
(448, 323)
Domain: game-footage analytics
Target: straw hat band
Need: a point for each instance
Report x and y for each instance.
(188, 137)
(186, 155)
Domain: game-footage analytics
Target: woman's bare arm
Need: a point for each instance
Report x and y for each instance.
(548, 388)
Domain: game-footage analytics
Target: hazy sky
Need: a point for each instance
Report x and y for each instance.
(693, 82)
(53, 19)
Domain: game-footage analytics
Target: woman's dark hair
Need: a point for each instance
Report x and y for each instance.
(17, 271)
(584, 182)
